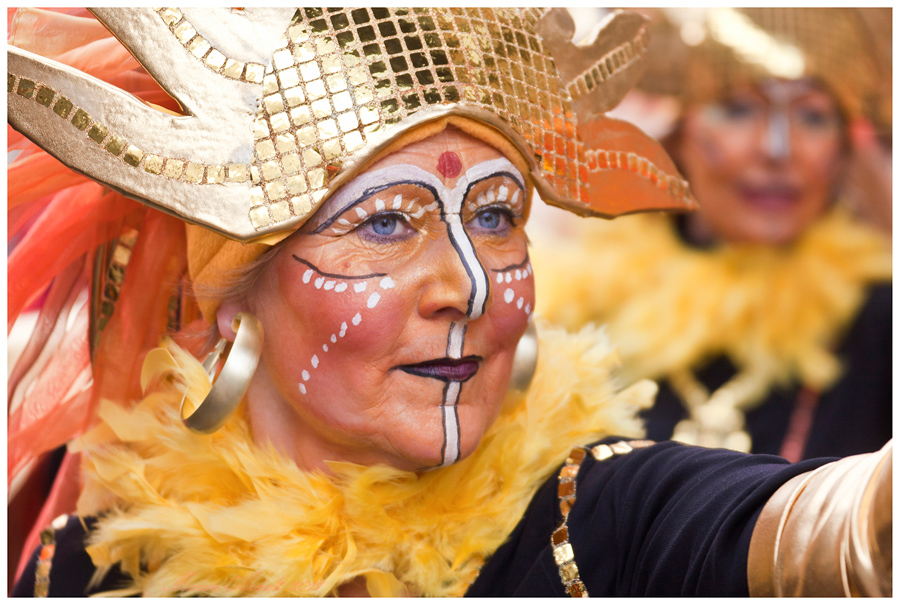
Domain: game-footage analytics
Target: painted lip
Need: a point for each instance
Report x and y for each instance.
(445, 368)
(774, 196)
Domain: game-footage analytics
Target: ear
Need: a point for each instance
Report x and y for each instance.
(225, 316)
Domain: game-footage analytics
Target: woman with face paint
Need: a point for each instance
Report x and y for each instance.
(768, 322)
(376, 418)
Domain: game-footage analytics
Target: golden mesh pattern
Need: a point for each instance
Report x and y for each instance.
(343, 82)
(341, 75)
(609, 65)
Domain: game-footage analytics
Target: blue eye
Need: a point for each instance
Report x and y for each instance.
(489, 219)
(384, 225)
(385, 228)
(495, 220)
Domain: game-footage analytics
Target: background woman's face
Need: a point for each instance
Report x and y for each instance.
(763, 162)
(391, 322)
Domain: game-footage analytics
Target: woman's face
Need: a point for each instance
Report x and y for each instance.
(763, 162)
(392, 320)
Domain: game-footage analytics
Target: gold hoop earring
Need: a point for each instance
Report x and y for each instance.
(234, 379)
(524, 362)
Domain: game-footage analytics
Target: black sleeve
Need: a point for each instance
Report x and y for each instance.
(672, 520)
(667, 520)
(71, 569)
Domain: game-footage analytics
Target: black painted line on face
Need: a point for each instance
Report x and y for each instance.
(444, 424)
(368, 193)
(513, 267)
(469, 271)
(335, 275)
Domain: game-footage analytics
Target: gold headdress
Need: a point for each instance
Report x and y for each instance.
(697, 54)
(281, 106)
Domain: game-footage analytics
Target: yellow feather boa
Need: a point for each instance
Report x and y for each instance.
(777, 312)
(219, 515)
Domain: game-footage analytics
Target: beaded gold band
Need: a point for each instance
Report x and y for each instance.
(45, 558)
(562, 549)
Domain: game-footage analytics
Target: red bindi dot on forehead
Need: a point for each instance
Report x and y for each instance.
(449, 164)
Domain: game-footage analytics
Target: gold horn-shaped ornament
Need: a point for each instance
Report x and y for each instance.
(282, 106)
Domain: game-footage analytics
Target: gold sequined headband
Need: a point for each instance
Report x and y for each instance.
(282, 106)
(698, 54)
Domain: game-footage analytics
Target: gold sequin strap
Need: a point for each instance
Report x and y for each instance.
(562, 549)
(45, 558)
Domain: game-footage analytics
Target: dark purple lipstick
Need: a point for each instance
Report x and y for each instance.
(446, 369)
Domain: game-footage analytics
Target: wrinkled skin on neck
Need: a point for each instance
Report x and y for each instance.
(763, 162)
(391, 320)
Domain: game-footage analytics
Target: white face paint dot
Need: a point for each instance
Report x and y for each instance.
(340, 287)
(520, 302)
(528, 308)
(315, 361)
(502, 193)
(356, 319)
(499, 278)
(343, 329)
(325, 348)
(305, 375)
(360, 287)
(397, 201)
(508, 295)
(373, 300)
(334, 338)
(379, 205)
(329, 285)
(361, 213)
(303, 388)
(508, 277)
(518, 275)
(386, 283)
(307, 276)
(319, 282)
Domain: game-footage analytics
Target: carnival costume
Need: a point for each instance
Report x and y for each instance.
(278, 109)
(771, 349)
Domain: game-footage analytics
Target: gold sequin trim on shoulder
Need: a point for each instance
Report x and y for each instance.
(45, 558)
(562, 549)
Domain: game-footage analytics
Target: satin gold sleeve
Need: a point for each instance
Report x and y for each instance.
(827, 532)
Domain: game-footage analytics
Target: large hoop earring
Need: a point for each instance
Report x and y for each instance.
(524, 362)
(234, 379)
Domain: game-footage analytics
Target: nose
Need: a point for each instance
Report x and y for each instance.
(777, 143)
(454, 282)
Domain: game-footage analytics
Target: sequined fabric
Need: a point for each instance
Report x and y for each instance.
(341, 84)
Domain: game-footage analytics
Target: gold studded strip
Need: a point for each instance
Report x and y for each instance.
(210, 57)
(45, 557)
(609, 65)
(177, 169)
(562, 548)
(600, 159)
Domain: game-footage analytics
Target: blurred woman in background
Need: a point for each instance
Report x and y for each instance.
(766, 315)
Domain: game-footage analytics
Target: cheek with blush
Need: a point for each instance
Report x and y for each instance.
(342, 317)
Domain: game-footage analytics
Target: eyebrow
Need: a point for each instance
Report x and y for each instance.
(505, 173)
(362, 180)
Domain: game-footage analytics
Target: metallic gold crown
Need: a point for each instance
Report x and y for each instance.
(282, 106)
(698, 54)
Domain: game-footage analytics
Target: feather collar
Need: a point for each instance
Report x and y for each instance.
(778, 313)
(190, 514)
